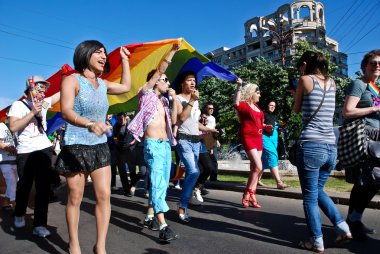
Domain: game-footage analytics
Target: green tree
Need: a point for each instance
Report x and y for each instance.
(272, 80)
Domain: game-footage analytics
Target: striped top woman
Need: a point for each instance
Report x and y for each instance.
(316, 151)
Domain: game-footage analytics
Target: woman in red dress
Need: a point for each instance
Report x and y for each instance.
(251, 134)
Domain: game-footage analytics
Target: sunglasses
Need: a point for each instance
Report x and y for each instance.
(210, 108)
(374, 63)
(164, 79)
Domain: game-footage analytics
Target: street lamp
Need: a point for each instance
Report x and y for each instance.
(283, 39)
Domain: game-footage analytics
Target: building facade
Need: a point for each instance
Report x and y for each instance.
(274, 35)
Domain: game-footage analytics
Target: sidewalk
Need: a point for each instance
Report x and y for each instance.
(286, 169)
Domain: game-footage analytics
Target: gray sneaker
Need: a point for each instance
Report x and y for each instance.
(41, 231)
(167, 235)
(19, 221)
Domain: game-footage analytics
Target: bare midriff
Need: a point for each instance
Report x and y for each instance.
(157, 126)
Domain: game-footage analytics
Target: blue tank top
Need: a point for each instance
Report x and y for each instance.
(90, 103)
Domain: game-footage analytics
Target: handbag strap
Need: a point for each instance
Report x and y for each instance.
(319, 106)
(39, 120)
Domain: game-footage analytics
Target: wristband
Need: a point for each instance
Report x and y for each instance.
(89, 125)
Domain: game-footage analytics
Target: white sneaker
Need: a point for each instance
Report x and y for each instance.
(178, 187)
(198, 195)
(41, 231)
(194, 201)
(19, 221)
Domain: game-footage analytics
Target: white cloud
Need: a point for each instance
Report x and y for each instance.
(5, 102)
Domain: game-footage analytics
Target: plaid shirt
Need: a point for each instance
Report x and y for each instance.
(148, 102)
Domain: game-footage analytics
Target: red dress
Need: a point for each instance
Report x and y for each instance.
(251, 126)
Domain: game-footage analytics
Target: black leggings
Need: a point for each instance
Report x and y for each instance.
(206, 166)
(361, 195)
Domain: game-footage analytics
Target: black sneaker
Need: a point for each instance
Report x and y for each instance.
(152, 224)
(358, 226)
(204, 191)
(167, 235)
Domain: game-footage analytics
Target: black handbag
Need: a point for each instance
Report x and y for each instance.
(293, 149)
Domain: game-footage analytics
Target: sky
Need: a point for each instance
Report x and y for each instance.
(38, 37)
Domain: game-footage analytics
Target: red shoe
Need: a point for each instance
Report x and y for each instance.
(252, 199)
(245, 200)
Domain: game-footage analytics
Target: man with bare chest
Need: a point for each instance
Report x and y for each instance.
(154, 122)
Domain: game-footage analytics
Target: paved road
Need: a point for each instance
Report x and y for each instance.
(221, 225)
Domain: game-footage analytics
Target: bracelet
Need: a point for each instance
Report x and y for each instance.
(75, 120)
(190, 104)
(167, 61)
(89, 125)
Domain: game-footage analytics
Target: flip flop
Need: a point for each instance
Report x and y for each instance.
(309, 246)
(344, 238)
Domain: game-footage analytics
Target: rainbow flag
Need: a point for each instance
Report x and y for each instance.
(144, 58)
(374, 89)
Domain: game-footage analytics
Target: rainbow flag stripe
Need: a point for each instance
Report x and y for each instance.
(144, 58)
(374, 89)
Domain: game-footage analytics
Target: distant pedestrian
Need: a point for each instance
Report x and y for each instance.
(8, 163)
(251, 134)
(84, 106)
(211, 123)
(270, 141)
(316, 151)
(125, 153)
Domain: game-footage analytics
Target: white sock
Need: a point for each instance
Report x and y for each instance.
(163, 226)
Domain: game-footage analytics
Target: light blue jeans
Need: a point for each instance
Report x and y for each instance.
(189, 155)
(158, 158)
(314, 164)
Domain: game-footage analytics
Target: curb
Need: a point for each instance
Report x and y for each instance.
(294, 193)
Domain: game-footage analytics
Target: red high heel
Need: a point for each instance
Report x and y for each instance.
(245, 200)
(252, 199)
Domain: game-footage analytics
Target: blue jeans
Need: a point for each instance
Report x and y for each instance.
(158, 157)
(189, 155)
(314, 164)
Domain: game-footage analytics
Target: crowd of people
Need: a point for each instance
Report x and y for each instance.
(97, 145)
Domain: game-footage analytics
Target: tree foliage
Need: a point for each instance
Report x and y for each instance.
(272, 80)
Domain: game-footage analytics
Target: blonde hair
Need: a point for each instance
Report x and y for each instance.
(248, 92)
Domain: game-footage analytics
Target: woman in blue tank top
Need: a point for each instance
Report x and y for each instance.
(316, 151)
(84, 106)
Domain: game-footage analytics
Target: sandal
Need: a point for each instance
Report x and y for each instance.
(281, 185)
(344, 238)
(260, 183)
(309, 246)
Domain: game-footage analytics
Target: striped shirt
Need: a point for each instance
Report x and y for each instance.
(320, 128)
(148, 102)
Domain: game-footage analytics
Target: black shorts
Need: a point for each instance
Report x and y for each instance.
(82, 158)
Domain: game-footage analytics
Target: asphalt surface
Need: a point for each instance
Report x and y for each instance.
(220, 225)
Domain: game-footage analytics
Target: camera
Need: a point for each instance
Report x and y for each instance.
(218, 135)
(292, 85)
